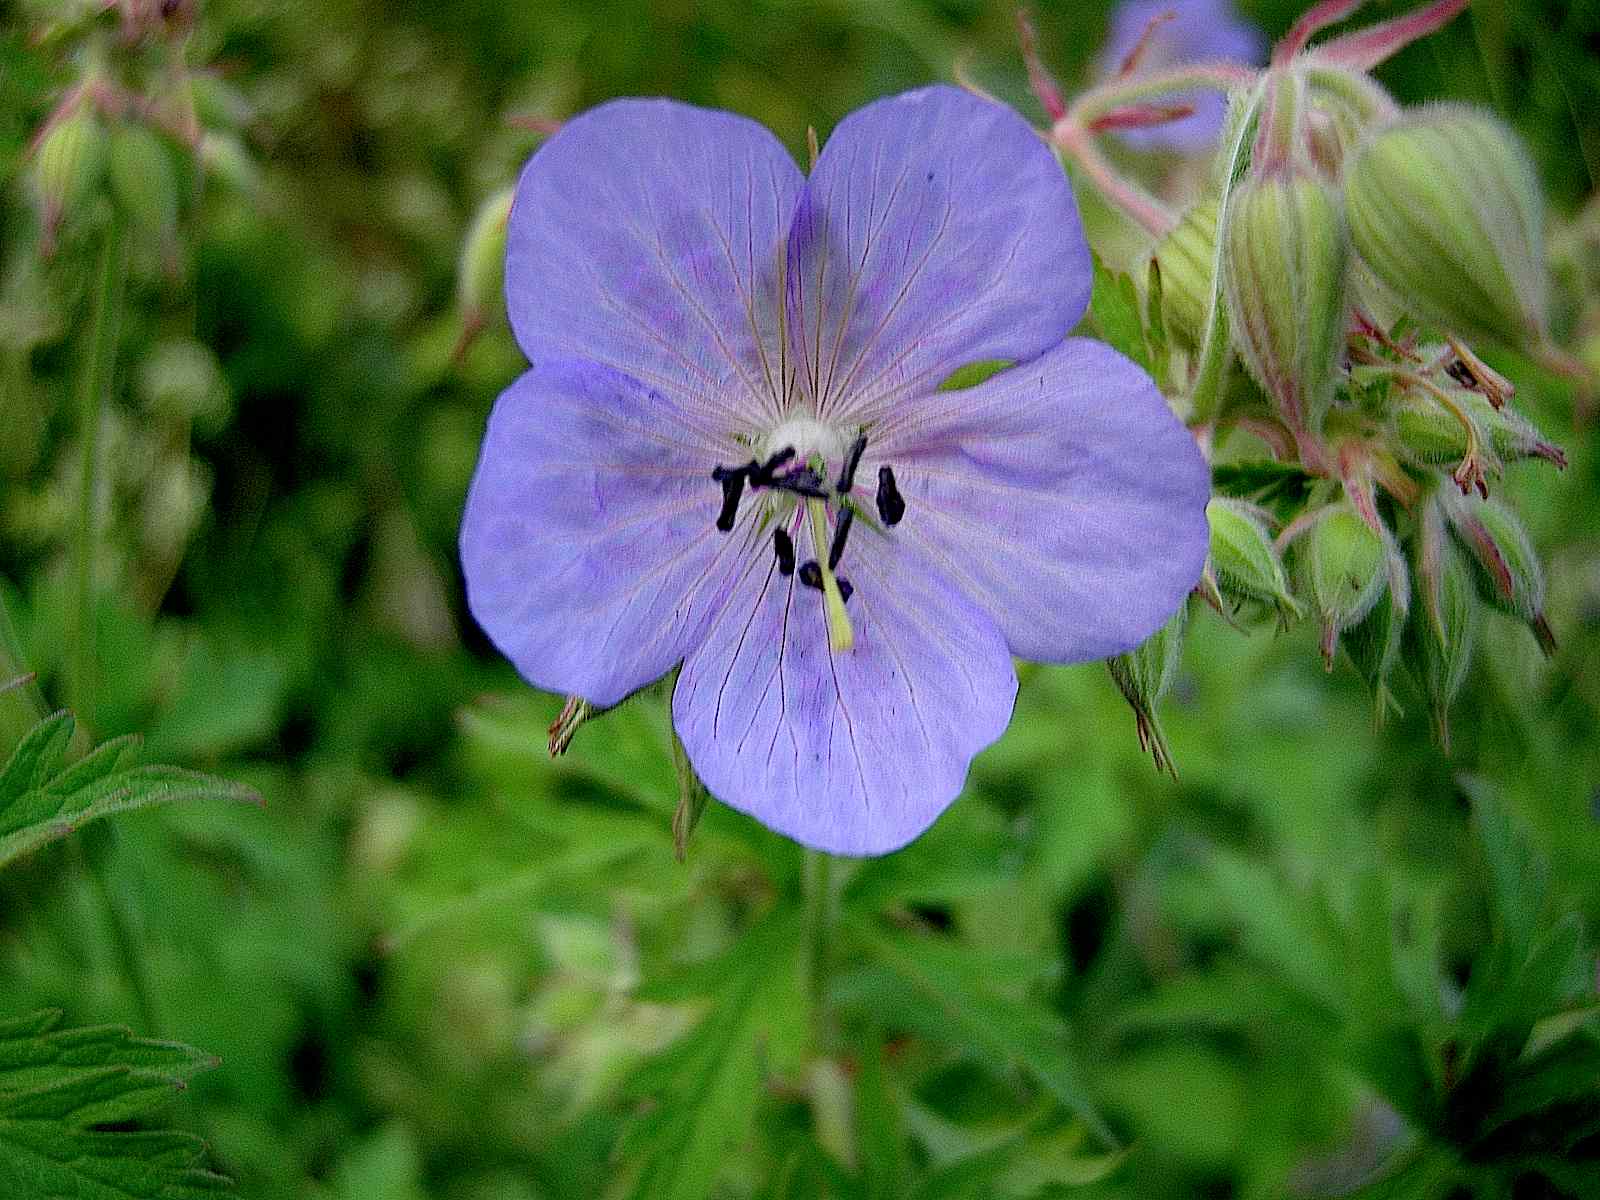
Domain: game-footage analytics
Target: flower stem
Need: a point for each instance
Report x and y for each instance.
(1125, 90)
(1140, 206)
(821, 917)
(105, 319)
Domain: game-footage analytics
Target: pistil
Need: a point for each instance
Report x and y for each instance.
(841, 635)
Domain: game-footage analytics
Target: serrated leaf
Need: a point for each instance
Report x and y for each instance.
(57, 1085)
(998, 1028)
(703, 1094)
(43, 799)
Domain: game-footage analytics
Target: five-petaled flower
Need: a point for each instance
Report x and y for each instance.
(732, 451)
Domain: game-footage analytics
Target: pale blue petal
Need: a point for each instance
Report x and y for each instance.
(647, 235)
(1062, 496)
(588, 541)
(853, 752)
(937, 230)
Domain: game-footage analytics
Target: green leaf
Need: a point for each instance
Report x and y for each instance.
(996, 1027)
(42, 799)
(1115, 313)
(702, 1095)
(56, 1085)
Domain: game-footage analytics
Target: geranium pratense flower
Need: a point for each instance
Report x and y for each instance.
(732, 450)
(1187, 31)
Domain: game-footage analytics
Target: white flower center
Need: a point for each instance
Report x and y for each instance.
(810, 438)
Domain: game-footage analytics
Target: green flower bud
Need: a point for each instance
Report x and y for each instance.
(480, 279)
(1343, 564)
(1444, 206)
(1441, 641)
(1285, 266)
(1374, 646)
(1509, 574)
(1245, 561)
(1432, 433)
(69, 163)
(1144, 674)
(1185, 258)
(143, 180)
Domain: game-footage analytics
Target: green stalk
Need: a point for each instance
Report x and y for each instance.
(821, 922)
(83, 666)
(105, 321)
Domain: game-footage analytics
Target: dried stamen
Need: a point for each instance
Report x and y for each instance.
(841, 531)
(852, 460)
(783, 546)
(891, 505)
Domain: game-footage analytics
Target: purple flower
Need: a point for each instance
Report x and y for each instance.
(1199, 31)
(732, 450)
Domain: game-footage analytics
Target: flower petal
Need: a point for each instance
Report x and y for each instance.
(588, 541)
(854, 752)
(1062, 496)
(937, 230)
(647, 235)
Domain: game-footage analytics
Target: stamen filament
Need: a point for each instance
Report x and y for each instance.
(841, 635)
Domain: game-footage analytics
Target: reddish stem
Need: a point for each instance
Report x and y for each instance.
(1130, 62)
(1314, 21)
(1040, 81)
(1366, 48)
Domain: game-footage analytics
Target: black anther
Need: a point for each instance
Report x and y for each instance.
(761, 473)
(845, 590)
(783, 546)
(732, 489)
(840, 532)
(891, 505)
(811, 574)
(803, 481)
(852, 460)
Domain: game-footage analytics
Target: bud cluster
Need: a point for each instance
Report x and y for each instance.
(1353, 257)
(137, 133)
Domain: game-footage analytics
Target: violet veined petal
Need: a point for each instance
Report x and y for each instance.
(855, 752)
(1061, 495)
(588, 543)
(1198, 31)
(647, 235)
(936, 230)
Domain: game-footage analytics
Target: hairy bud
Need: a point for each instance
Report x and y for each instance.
(1432, 432)
(1144, 674)
(1443, 638)
(1245, 561)
(1343, 563)
(481, 273)
(1509, 574)
(1185, 259)
(1445, 207)
(69, 163)
(1285, 260)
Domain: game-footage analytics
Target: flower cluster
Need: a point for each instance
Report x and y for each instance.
(734, 451)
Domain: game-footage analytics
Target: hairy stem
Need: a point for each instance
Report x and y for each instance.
(100, 343)
(1140, 206)
(821, 922)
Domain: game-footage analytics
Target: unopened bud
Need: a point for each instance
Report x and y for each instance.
(1445, 207)
(1144, 674)
(1445, 633)
(1435, 433)
(143, 181)
(1509, 574)
(1285, 263)
(68, 164)
(1245, 561)
(1343, 563)
(1185, 259)
(481, 273)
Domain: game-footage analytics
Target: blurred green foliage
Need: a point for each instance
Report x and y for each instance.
(440, 964)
